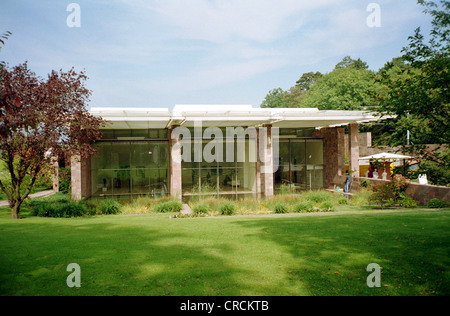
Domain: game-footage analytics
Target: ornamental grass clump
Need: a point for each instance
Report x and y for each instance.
(227, 208)
(169, 207)
(110, 207)
(304, 207)
(280, 208)
(201, 209)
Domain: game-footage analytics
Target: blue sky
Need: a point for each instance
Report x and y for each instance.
(158, 53)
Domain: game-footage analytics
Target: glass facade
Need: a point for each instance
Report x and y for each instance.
(232, 174)
(300, 164)
(137, 163)
(129, 168)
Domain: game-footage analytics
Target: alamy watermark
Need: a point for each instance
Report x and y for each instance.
(374, 18)
(212, 145)
(374, 278)
(74, 18)
(74, 279)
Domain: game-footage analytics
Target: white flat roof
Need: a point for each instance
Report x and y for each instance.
(227, 115)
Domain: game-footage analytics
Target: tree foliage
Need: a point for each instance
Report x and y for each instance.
(41, 119)
(418, 94)
(348, 87)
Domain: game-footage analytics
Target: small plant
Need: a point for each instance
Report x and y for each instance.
(110, 207)
(408, 202)
(280, 208)
(169, 207)
(227, 208)
(201, 209)
(365, 183)
(304, 207)
(327, 207)
(436, 203)
(343, 201)
(319, 197)
(59, 206)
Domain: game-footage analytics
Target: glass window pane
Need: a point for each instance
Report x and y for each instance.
(246, 180)
(140, 156)
(190, 181)
(140, 181)
(227, 180)
(120, 155)
(122, 133)
(102, 182)
(298, 153)
(122, 182)
(314, 149)
(208, 180)
(158, 182)
(102, 160)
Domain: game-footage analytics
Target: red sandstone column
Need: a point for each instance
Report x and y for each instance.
(175, 164)
(80, 177)
(267, 163)
(75, 168)
(55, 174)
(334, 157)
(353, 132)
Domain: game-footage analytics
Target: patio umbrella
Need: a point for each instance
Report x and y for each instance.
(386, 156)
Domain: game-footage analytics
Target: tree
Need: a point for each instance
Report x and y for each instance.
(3, 38)
(348, 62)
(41, 119)
(275, 99)
(418, 95)
(307, 80)
(348, 87)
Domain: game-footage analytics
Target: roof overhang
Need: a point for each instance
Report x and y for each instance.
(228, 116)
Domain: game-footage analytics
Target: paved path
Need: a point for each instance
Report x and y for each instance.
(32, 196)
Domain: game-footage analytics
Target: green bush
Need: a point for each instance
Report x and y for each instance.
(408, 202)
(227, 208)
(201, 209)
(169, 207)
(366, 183)
(390, 193)
(304, 207)
(110, 207)
(65, 180)
(436, 203)
(343, 201)
(319, 197)
(327, 207)
(59, 206)
(280, 208)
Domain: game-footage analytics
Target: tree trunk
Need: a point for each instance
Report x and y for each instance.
(15, 211)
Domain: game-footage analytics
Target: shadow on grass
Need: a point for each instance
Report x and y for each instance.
(114, 259)
(331, 253)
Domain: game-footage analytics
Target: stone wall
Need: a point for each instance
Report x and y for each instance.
(333, 156)
(421, 193)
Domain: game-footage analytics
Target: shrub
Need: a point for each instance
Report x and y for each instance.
(389, 194)
(365, 183)
(327, 207)
(227, 208)
(436, 203)
(343, 201)
(58, 206)
(110, 207)
(169, 207)
(304, 207)
(201, 209)
(280, 208)
(408, 202)
(64, 180)
(319, 197)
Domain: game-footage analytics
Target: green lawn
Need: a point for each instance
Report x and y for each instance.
(287, 255)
